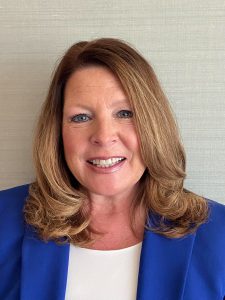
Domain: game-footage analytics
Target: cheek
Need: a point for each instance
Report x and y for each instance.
(134, 143)
(70, 143)
(132, 139)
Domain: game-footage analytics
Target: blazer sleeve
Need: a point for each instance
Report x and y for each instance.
(11, 238)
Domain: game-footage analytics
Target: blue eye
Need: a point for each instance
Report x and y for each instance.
(125, 114)
(80, 118)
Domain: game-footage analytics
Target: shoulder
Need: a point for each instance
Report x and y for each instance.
(217, 210)
(12, 228)
(11, 209)
(211, 234)
(216, 218)
(15, 194)
(13, 199)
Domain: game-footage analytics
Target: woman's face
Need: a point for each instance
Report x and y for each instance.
(100, 142)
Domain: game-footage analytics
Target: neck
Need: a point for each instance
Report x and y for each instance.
(111, 220)
(111, 229)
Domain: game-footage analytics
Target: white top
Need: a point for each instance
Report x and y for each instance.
(101, 275)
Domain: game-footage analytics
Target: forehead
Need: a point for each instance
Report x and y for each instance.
(94, 82)
(93, 77)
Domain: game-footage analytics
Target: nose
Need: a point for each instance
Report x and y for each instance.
(104, 133)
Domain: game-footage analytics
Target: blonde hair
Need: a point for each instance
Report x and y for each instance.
(58, 207)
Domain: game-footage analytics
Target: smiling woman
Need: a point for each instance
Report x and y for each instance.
(108, 213)
(101, 149)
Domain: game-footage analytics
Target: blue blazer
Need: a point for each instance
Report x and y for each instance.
(189, 268)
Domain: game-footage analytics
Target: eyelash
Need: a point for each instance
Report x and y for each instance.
(75, 118)
(127, 111)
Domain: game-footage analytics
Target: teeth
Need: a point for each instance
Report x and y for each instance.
(106, 163)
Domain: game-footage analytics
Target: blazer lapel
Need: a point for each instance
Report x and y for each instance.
(163, 267)
(44, 269)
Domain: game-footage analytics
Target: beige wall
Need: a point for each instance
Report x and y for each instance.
(183, 39)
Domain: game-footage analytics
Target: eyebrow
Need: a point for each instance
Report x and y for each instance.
(81, 105)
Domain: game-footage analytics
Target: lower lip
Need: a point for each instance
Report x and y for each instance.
(107, 170)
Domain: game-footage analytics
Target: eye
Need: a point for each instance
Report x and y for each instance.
(80, 118)
(125, 114)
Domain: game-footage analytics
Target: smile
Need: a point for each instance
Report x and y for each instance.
(102, 163)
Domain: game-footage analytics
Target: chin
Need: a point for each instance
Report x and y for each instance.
(104, 192)
(110, 191)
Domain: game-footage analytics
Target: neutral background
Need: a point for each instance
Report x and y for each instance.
(183, 39)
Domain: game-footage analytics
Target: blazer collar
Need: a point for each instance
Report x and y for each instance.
(163, 266)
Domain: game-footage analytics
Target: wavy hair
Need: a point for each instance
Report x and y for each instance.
(57, 207)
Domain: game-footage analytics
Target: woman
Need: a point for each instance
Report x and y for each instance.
(108, 217)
